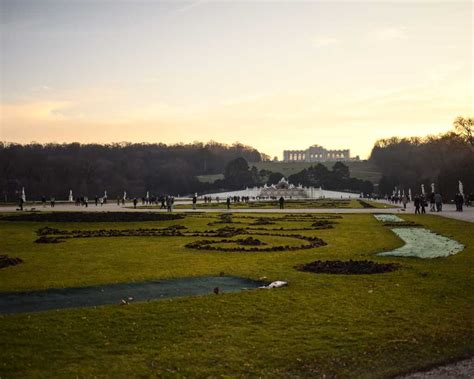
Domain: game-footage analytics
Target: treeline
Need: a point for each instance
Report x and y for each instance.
(238, 175)
(337, 179)
(444, 160)
(89, 169)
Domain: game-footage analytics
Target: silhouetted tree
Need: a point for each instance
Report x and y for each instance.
(54, 169)
(409, 162)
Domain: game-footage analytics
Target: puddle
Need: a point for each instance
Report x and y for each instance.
(37, 301)
(423, 243)
(388, 218)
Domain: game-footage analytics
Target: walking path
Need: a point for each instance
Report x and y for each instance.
(462, 369)
(448, 210)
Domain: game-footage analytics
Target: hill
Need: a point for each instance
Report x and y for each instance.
(364, 170)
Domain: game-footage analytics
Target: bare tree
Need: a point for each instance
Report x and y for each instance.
(463, 126)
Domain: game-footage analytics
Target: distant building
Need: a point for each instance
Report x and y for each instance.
(317, 153)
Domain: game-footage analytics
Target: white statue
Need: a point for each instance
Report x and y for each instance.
(71, 199)
(423, 189)
(23, 195)
(461, 188)
(409, 194)
(105, 194)
(147, 195)
(432, 188)
(125, 195)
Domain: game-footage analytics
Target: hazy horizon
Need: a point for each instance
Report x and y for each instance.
(274, 76)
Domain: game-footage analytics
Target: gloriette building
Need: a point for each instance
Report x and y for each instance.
(317, 153)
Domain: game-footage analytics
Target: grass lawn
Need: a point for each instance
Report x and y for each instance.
(364, 170)
(334, 325)
(289, 204)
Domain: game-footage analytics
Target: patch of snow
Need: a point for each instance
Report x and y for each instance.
(423, 243)
(276, 284)
(388, 218)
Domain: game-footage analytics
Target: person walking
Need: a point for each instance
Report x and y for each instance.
(20, 203)
(432, 202)
(416, 202)
(439, 202)
(459, 201)
(53, 201)
(423, 204)
(282, 202)
(135, 201)
(228, 203)
(404, 202)
(194, 201)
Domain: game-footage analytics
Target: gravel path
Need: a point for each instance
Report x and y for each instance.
(459, 370)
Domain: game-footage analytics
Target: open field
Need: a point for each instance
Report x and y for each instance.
(293, 204)
(358, 169)
(346, 325)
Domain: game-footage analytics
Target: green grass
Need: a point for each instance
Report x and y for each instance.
(364, 170)
(359, 169)
(210, 178)
(349, 326)
(289, 204)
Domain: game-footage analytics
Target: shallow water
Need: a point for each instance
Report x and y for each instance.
(36, 301)
(423, 243)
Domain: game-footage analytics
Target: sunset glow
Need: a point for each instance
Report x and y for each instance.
(273, 75)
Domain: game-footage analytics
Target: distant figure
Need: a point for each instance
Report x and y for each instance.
(53, 201)
(417, 202)
(123, 201)
(404, 201)
(432, 202)
(96, 201)
(86, 201)
(169, 206)
(163, 200)
(194, 202)
(282, 202)
(216, 290)
(439, 202)
(423, 204)
(20, 203)
(118, 200)
(43, 200)
(459, 201)
(228, 203)
(469, 200)
(135, 201)
(101, 200)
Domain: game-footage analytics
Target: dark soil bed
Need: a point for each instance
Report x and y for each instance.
(365, 204)
(93, 217)
(348, 267)
(6, 261)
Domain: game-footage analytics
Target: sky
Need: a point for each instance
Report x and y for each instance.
(273, 75)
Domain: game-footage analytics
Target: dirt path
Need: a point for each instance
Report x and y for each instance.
(459, 370)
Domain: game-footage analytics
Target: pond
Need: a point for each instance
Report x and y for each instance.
(59, 298)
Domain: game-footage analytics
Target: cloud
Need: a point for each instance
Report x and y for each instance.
(388, 33)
